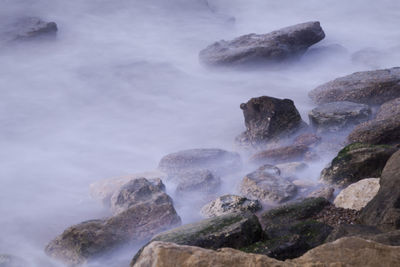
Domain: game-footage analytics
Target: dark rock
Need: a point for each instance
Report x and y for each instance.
(334, 216)
(280, 155)
(355, 162)
(383, 210)
(391, 238)
(267, 119)
(267, 187)
(228, 204)
(346, 230)
(29, 28)
(336, 116)
(152, 214)
(216, 160)
(367, 87)
(273, 47)
(198, 181)
(384, 129)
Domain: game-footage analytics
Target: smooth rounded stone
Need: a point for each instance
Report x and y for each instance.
(384, 129)
(104, 189)
(28, 28)
(7, 260)
(138, 191)
(266, 187)
(383, 210)
(356, 196)
(218, 161)
(291, 169)
(355, 162)
(324, 192)
(268, 118)
(228, 204)
(90, 239)
(273, 47)
(280, 155)
(337, 116)
(367, 87)
(198, 181)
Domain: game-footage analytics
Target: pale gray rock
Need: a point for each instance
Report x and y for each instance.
(228, 204)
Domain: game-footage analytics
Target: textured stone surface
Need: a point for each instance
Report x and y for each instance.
(356, 196)
(229, 203)
(273, 47)
(280, 155)
(203, 181)
(28, 28)
(324, 192)
(367, 87)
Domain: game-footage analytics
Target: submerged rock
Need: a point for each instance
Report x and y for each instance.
(28, 28)
(197, 181)
(273, 47)
(355, 162)
(280, 155)
(291, 169)
(336, 116)
(367, 87)
(228, 204)
(267, 118)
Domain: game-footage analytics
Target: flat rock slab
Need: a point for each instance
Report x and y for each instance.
(273, 47)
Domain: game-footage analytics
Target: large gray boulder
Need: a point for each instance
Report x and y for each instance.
(203, 181)
(27, 28)
(273, 47)
(384, 129)
(267, 119)
(367, 87)
(336, 116)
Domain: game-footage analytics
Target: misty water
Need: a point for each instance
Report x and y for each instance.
(122, 86)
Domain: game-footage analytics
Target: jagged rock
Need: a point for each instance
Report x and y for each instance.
(228, 204)
(357, 195)
(7, 260)
(139, 222)
(291, 169)
(267, 118)
(273, 47)
(383, 210)
(336, 116)
(28, 28)
(267, 187)
(218, 161)
(367, 87)
(198, 181)
(355, 162)
(280, 155)
(384, 129)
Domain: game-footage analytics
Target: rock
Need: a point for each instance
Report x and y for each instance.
(324, 192)
(7, 260)
(103, 190)
(273, 47)
(347, 230)
(391, 238)
(228, 204)
(280, 155)
(356, 196)
(218, 161)
(367, 87)
(267, 119)
(307, 139)
(233, 230)
(197, 180)
(28, 28)
(291, 169)
(383, 210)
(337, 116)
(138, 223)
(334, 216)
(355, 162)
(266, 187)
(384, 129)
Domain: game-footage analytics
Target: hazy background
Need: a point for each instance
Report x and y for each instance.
(121, 86)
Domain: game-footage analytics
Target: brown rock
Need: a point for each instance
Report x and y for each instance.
(280, 155)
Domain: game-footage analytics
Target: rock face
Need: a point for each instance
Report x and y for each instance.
(280, 155)
(273, 47)
(216, 160)
(367, 87)
(197, 180)
(356, 196)
(384, 129)
(267, 118)
(152, 213)
(355, 162)
(228, 204)
(267, 187)
(336, 116)
(29, 28)
(383, 210)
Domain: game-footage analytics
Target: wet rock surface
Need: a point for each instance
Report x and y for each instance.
(355, 162)
(367, 87)
(280, 155)
(291, 168)
(273, 47)
(203, 181)
(268, 118)
(337, 116)
(228, 204)
(28, 28)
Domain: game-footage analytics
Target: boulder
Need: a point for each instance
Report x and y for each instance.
(347, 230)
(383, 210)
(203, 181)
(267, 119)
(337, 116)
(355, 162)
(367, 87)
(324, 192)
(280, 155)
(28, 28)
(267, 187)
(137, 223)
(357, 195)
(273, 47)
(307, 139)
(384, 129)
(218, 161)
(228, 204)
(334, 216)
(291, 169)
